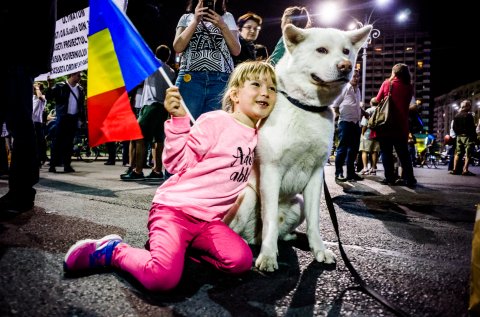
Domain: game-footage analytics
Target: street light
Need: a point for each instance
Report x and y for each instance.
(375, 33)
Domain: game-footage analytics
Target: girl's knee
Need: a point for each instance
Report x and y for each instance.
(161, 281)
(241, 261)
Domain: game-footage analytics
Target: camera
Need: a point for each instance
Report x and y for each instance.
(210, 4)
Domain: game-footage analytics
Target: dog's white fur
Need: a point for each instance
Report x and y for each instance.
(294, 144)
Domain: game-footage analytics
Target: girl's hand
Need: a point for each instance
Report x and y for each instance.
(172, 102)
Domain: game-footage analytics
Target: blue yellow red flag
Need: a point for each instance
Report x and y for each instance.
(118, 60)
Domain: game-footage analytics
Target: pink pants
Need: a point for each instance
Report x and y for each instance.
(171, 232)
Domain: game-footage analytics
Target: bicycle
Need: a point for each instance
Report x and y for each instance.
(431, 159)
(82, 151)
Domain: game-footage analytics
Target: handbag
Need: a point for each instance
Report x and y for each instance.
(382, 113)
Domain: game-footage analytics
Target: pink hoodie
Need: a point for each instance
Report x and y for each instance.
(211, 162)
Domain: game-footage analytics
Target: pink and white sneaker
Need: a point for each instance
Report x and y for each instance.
(91, 254)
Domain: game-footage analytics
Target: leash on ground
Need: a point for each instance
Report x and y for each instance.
(362, 285)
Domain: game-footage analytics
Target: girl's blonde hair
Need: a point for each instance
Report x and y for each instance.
(243, 72)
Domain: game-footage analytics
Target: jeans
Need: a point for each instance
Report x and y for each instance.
(347, 150)
(202, 91)
(401, 148)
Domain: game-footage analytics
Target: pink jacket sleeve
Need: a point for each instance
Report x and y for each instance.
(184, 146)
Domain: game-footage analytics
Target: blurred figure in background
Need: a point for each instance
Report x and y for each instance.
(394, 134)
(464, 127)
(297, 16)
(39, 103)
(69, 98)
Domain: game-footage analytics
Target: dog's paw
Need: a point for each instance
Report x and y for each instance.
(325, 256)
(266, 263)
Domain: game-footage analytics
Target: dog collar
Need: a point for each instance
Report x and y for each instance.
(303, 106)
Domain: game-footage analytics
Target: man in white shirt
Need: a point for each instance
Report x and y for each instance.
(69, 100)
(349, 112)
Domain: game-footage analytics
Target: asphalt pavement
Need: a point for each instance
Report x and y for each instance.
(413, 246)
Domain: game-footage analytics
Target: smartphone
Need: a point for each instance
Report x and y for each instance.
(210, 4)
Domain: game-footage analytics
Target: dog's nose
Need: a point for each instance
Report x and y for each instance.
(344, 67)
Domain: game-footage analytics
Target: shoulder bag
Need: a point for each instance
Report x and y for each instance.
(382, 113)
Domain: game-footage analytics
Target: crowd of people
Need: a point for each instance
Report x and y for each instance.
(221, 67)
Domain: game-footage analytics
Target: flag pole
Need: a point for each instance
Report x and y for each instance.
(167, 79)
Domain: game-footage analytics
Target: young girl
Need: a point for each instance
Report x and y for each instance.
(211, 162)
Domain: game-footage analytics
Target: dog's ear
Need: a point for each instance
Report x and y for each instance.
(292, 36)
(359, 36)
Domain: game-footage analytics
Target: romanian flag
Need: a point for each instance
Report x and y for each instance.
(118, 60)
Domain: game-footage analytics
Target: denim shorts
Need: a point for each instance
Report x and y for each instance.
(202, 91)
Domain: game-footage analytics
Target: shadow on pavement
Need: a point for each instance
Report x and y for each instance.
(252, 294)
(77, 189)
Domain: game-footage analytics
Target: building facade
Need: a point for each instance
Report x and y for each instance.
(401, 46)
(446, 107)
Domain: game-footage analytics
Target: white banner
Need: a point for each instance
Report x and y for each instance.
(71, 43)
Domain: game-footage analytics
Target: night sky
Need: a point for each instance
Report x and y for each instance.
(454, 61)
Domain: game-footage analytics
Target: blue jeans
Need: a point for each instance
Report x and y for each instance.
(401, 148)
(203, 91)
(348, 144)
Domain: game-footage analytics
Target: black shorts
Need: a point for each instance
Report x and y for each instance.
(151, 120)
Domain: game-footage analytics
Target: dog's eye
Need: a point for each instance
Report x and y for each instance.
(346, 51)
(322, 50)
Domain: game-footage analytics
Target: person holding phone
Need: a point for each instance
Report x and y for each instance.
(207, 37)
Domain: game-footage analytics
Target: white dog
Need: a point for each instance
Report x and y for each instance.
(295, 142)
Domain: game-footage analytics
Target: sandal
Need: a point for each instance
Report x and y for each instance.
(468, 173)
(373, 171)
(365, 171)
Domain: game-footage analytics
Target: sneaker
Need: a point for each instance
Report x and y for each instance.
(132, 176)
(340, 178)
(91, 254)
(388, 182)
(411, 183)
(127, 171)
(155, 176)
(68, 169)
(354, 177)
